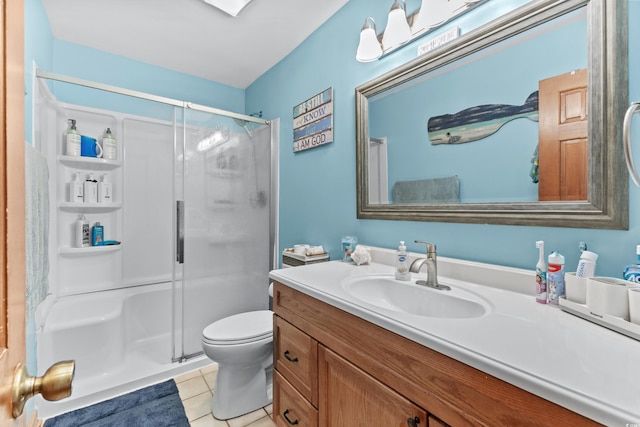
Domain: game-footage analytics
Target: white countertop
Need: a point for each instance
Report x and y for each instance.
(548, 352)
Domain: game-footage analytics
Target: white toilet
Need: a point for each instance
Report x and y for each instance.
(242, 345)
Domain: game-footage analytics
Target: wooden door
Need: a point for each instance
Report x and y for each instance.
(12, 226)
(350, 397)
(563, 130)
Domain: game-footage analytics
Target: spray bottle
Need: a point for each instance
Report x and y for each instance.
(541, 275)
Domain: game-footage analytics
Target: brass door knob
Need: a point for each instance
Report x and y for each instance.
(55, 384)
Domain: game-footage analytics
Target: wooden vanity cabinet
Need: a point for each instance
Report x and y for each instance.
(353, 372)
(350, 397)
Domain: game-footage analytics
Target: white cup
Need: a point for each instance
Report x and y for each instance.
(575, 288)
(634, 305)
(608, 295)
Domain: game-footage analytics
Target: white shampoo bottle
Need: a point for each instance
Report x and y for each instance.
(104, 190)
(83, 233)
(76, 189)
(91, 190)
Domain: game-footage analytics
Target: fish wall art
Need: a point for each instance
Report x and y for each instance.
(479, 122)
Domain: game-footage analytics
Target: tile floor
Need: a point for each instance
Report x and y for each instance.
(196, 390)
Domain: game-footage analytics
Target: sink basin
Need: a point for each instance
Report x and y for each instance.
(407, 297)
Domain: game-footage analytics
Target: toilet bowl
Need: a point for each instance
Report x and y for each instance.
(242, 345)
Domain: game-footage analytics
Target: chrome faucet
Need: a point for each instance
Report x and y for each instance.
(432, 267)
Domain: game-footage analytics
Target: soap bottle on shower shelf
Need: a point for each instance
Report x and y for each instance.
(109, 146)
(72, 139)
(555, 278)
(76, 189)
(402, 263)
(104, 190)
(83, 235)
(97, 235)
(90, 190)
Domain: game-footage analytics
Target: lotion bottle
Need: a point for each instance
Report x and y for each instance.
(541, 275)
(76, 189)
(72, 139)
(83, 238)
(104, 190)
(402, 263)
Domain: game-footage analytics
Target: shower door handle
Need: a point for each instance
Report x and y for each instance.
(180, 231)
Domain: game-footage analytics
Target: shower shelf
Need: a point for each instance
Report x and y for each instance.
(89, 207)
(91, 250)
(89, 162)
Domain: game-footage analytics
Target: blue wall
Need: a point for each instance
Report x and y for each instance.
(86, 63)
(317, 186)
(38, 48)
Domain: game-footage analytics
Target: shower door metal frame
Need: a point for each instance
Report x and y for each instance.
(185, 105)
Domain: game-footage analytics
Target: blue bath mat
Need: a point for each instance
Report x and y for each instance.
(158, 405)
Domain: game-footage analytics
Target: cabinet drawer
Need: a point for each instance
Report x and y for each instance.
(290, 407)
(296, 358)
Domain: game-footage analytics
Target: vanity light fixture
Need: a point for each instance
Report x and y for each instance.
(230, 7)
(402, 28)
(369, 48)
(431, 14)
(398, 31)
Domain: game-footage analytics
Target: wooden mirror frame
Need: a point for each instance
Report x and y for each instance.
(607, 204)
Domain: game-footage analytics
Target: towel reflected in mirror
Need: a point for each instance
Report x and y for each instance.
(432, 190)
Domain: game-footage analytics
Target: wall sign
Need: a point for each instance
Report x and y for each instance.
(313, 121)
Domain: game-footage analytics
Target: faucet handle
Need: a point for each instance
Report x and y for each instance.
(431, 248)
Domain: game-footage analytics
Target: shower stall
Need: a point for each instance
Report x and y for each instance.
(191, 230)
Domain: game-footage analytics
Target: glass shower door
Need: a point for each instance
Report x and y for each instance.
(223, 176)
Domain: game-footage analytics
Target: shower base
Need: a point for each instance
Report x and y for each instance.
(120, 340)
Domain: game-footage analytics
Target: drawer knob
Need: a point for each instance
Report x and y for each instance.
(294, 422)
(413, 422)
(289, 358)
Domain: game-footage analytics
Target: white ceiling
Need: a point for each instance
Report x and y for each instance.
(191, 36)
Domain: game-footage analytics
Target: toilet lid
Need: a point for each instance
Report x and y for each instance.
(240, 328)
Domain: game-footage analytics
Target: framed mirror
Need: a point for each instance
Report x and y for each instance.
(473, 132)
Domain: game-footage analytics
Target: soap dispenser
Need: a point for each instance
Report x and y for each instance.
(402, 263)
(72, 139)
(109, 146)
